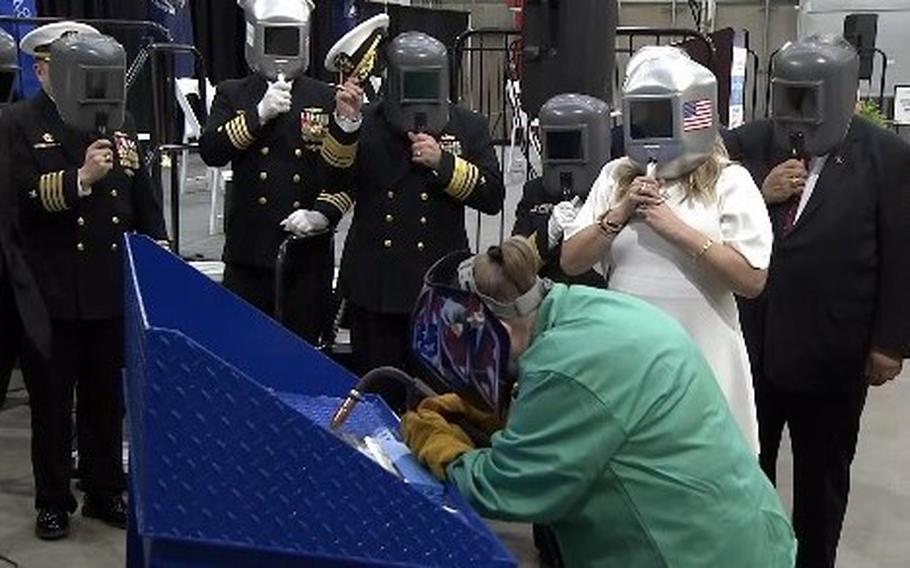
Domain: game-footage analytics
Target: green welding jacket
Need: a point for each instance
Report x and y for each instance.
(620, 439)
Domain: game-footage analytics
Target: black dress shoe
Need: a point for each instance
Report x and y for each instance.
(52, 524)
(109, 510)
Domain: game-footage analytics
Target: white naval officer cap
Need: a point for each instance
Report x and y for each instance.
(352, 50)
(38, 41)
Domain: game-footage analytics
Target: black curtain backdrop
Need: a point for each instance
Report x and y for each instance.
(127, 9)
(218, 29)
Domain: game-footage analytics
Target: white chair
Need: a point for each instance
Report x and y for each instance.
(192, 130)
(519, 119)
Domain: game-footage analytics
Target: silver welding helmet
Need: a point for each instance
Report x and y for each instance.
(9, 67)
(669, 111)
(575, 132)
(457, 333)
(813, 94)
(88, 79)
(278, 37)
(416, 97)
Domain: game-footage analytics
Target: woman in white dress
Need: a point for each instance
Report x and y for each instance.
(687, 246)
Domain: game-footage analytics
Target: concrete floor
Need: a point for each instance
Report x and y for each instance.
(875, 535)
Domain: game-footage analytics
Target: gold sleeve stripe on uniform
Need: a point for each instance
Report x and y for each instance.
(239, 133)
(334, 202)
(464, 178)
(336, 154)
(42, 192)
(58, 190)
(471, 182)
(53, 198)
(232, 134)
(245, 129)
(455, 184)
(346, 199)
(242, 130)
(340, 201)
(50, 190)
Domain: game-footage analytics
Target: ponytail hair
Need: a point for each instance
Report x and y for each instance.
(507, 271)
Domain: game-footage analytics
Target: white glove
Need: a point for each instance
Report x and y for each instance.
(277, 100)
(304, 222)
(561, 217)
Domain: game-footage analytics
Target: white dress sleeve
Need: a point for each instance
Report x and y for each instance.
(597, 202)
(744, 221)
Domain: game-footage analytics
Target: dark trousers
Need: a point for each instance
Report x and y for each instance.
(823, 432)
(307, 303)
(379, 340)
(10, 335)
(87, 358)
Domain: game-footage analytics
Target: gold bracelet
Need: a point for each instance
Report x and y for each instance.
(704, 250)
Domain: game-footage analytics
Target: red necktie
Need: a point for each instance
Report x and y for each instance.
(793, 208)
(790, 215)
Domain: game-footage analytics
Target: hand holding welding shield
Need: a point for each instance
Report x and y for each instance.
(416, 95)
(813, 94)
(669, 112)
(88, 82)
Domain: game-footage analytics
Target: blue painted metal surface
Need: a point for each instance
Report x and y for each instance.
(232, 461)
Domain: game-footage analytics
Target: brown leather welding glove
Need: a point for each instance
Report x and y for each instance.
(452, 407)
(434, 441)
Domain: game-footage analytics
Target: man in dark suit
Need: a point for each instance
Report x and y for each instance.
(420, 162)
(78, 194)
(835, 314)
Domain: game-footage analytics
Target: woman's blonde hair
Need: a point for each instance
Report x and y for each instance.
(505, 272)
(699, 184)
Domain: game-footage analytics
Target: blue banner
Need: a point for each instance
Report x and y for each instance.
(28, 83)
(176, 16)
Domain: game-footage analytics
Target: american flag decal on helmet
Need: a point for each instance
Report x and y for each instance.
(697, 115)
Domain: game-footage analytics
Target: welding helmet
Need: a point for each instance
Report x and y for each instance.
(9, 67)
(88, 81)
(575, 133)
(278, 37)
(669, 111)
(416, 97)
(457, 333)
(813, 94)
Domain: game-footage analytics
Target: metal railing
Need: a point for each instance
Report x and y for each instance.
(164, 111)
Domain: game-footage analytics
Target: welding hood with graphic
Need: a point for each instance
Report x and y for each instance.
(416, 97)
(813, 94)
(669, 111)
(575, 133)
(88, 81)
(459, 340)
(278, 37)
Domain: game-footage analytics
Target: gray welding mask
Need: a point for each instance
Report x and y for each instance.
(416, 97)
(88, 81)
(9, 67)
(669, 111)
(813, 94)
(278, 37)
(575, 135)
